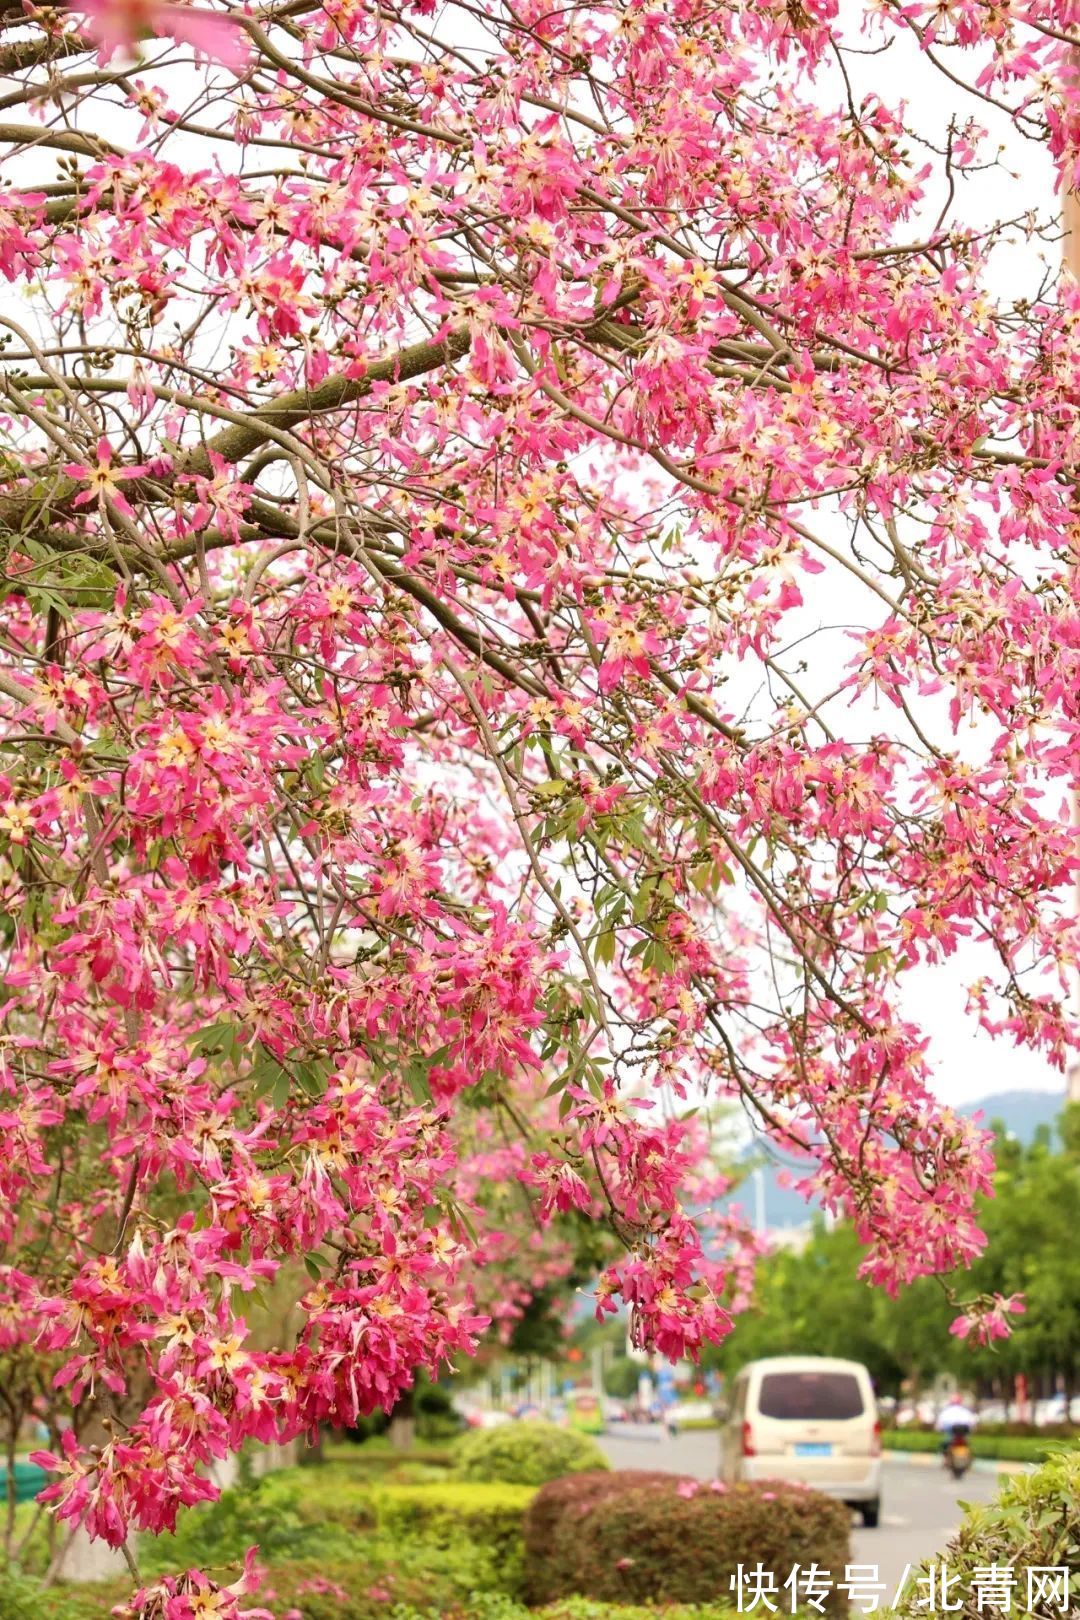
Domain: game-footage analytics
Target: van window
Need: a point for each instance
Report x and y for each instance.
(810, 1395)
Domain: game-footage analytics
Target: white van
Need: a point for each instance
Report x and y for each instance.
(811, 1419)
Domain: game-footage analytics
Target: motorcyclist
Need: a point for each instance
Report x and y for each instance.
(955, 1421)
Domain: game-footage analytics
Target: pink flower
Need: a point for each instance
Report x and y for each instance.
(104, 478)
(986, 1320)
(120, 24)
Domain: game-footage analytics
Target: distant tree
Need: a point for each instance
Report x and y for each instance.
(1031, 1226)
(621, 1378)
(813, 1301)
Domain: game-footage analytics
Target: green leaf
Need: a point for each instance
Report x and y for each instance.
(221, 1037)
(313, 1076)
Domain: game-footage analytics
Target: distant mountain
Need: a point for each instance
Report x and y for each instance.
(1020, 1113)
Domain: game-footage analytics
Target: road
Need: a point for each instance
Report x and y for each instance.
(921, 1507)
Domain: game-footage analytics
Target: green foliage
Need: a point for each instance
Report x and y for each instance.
(494, 1606)
(378, 1573)
(296, 1513)
(998, 1447)
(814, 1303)
(322, 1532)
(377, 1459)
(381, 1572)
(436, 1416)
(380, 1453)
(553, 1523)
(350, 1589)
(621, 1378)
(649, 1544)
(490, 1517)
(21, 1598)
(526, 1453)
(303, 1513)
(1034, 1523)
(580, 1608)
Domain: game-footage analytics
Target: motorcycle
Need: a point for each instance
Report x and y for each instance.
(958, 1453)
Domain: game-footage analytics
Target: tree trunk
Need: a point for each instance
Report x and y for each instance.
(402, 1429)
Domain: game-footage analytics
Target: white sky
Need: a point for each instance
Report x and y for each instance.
(968, 1062)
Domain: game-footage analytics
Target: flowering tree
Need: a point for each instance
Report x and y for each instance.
(430, 441)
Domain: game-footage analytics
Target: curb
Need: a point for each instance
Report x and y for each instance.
(980, 1465)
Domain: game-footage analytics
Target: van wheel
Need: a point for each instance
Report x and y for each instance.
(871, 1513)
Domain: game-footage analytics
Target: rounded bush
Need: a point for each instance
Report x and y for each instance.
(1033, 1524)
(662, 1544)
(526, 1454)
(553, 1526)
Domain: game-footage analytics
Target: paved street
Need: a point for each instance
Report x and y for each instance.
(920, 1506)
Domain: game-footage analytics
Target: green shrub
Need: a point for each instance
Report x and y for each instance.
(526, 1453)
(553, 1521)
(370, 1584)
(1034, 1523)
(1013, 1430)
(437, 1418)
(653, 1545)
(285, 1514)
(494, 1606)
(489, 1516)
(378, 1459)
(994, 1447)
(318, 1513)
(352, 1589)
(579, 1608)
(21, 1598)
(381, 1575)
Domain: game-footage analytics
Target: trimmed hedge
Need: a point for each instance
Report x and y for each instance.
(489, 1516)
(526, 1454)
(378, 1456)
(307, 1513)
(995, 1448)
(353, 1555)
(651, 1544)
(1034, 1523)
(553, 1525)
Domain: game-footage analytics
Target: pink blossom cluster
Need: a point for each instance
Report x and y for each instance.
(539, 584)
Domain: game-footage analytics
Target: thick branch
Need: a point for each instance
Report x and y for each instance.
(243, 438)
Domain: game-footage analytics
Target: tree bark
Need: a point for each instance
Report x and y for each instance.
(402, 1430)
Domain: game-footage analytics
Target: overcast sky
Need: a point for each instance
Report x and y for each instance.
(968, 1063)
